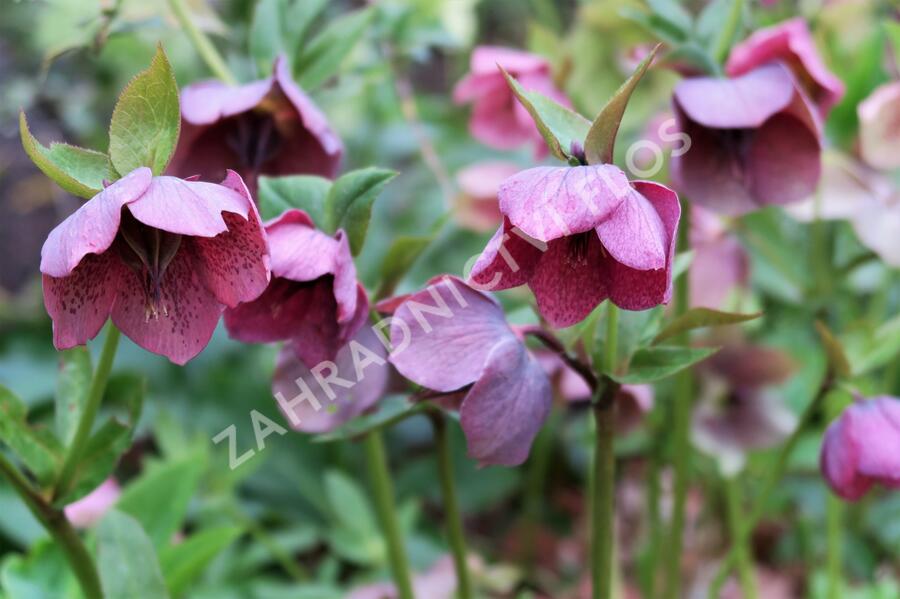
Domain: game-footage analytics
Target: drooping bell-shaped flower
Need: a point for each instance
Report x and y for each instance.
(879, 127)
(266, 127)
(161, 256)
(451, 338)
(755, 141)
(862, 448)
(498, 119)
(579, 235)
(791, 43)
(314, 300)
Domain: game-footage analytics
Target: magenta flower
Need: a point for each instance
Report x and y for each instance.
(160, 256)
(579, 235)
(862, 447)
(879, 127)
(93, 506)
(791, 43)
(450, 337)
(476, 206)
(321, 398)
(498, 119)
(314, 299)
(267, 127)
(755, 140)
(720, 266)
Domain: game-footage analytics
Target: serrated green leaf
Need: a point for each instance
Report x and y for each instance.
(306, 192)
(183, 563)
(72, 386)
(38, 449)
(697, 318)
(126, 560)
(656, 363)
(349, 203)
(77, 170)
(41, 574)
(558, 125)
(601, 138)
(402, 254)
(146, 120)
(837, 357)
(278, 27)
(322, 57)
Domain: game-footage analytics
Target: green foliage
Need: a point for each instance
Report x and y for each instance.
(306, 192)
(697, 318)
(126, 560)
(652, 364)
(348, 205)
(355, 535)
(322, 56)
(72, 387)
(38, 449)
(183, 563)
(146, 120)
(279, 27)
(401, 256)
(391, 410)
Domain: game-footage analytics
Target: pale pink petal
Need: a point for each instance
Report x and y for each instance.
(206, 102)
(879, 127)
(190, 317)
(494, 120)
(92, 228)
(508, 260)
(91, 508)
(634, 234)
(486, 58)
(875, 424)
(878, 228)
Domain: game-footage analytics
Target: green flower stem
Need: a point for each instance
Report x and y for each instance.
(383, 491)
(55, 522)
(742, 551)
(204, 47)
(452, 514)
(92, 406)
(654, 522)
(834, 516)
(681, 447)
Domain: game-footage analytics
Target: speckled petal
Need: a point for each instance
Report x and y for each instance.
(508, 260)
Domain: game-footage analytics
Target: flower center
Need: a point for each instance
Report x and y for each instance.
(736, 144)
(148, 251)
(254, 139)
(578, 246)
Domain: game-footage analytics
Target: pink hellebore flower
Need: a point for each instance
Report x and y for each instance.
(579, 235)
(467, 346)
(755, 140)
(476, 206)
(160, 256)
(93, 506)
(498, 119)
(862, 447)
(879, 127)
(267, 127)
(791, 43)
(314, 299)
(720, 265)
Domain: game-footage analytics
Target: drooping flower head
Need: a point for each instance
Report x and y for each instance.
(792, 44)
(498, 119)
(267, 127)
(452, 338)
(720, 264)
(862, 448)
(314, 299)
(479, 183)
(755, 141)
(879, 127)
(161, 256)
(579, 235)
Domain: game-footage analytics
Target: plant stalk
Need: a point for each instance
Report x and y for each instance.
(834, 516)
(204, 47)
(746, 575)
(603, 494)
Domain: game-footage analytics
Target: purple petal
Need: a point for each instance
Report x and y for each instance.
(319, 335)
(508, 260)
(206, 102)
(634, 234)
(879, 127)
(876, 425)
(92, 228)
(486, 58)
(506, 407)
(839, 460)
(784, 161)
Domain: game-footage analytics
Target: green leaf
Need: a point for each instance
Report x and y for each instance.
(278, 27)
(41, 574)
(323, 56)
(78, 171)
(355, 535)
(697, 318)
(126, 560)
(183, 563)
(38, 449)
(111, 440)
(403, 253)
(601, 138)
(656, 363)
(72, 386)
(558, 125)
(672, 12)
(655, 25)
(391, 410)
(159, 498)
(880, 349)
(306, 192)
(892, 29)
(349, 203)
(636, 329)
(146, 120)
(837, 357)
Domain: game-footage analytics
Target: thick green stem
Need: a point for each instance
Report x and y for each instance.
(834, 515)
(654, 523)
(55, 522)
(603, 495)
(383, 493)
(452, 514)
(681, 446)
(89, 414)
(611, 351)
(742, 552)
(204, 47)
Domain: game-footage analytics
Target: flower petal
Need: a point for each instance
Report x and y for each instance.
(486, 58)
(875, 424)
(839, 459)
(879, 127)
(784, 161)
(552, 202)
(634, 234)
(506, 407)
(80, 303)
(206, 102)
(192, 311)
(92, 228)
(462, 334)
(508, 260)
(319, 335)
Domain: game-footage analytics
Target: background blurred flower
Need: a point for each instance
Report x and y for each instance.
(720, 265)
(755, 140)
(879, 127)
(477, 206)
(498, 119)
(862, 448)
(92, 507)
